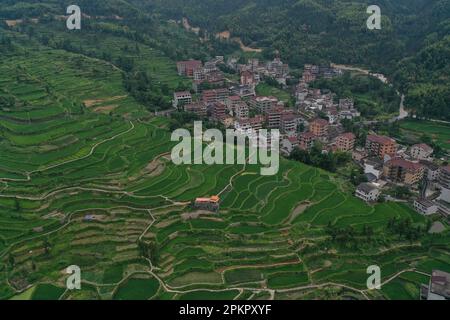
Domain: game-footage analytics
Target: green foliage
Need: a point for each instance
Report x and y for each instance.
(371, 96)
(326, 160)
(412, 47)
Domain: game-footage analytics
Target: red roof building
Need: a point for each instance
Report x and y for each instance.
(345, 142)
(380, 146)
(319, 127)
(187, 68)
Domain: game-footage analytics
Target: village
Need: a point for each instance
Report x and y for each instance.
(315, 121)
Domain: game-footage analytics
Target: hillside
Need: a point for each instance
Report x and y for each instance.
(85, 179)
(412, 47)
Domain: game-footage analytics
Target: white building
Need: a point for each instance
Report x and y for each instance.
(368, 192)
(241, 111)
(181, 98)
(425, 207)
(288, 144)
(421, 151)
(444, 181)
(432, 170)
(438, 287)
(373, 167)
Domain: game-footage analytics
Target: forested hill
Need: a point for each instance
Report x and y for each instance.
(412, 47)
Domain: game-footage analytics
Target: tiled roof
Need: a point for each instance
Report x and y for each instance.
(400, 162)
(380, 139)
(347, 135)
(321, 122)
(366, 187)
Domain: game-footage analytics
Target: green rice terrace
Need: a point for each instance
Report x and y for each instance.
(86, 179)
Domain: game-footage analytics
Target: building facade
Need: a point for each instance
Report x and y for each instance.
(346, 142)
(380, 146)
(403, 171)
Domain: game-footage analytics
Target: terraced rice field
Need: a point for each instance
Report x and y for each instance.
(79, 186)
(439, 132)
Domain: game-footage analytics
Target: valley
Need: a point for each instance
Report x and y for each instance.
(86, 179)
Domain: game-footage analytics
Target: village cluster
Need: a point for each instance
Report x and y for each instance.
(236, 105)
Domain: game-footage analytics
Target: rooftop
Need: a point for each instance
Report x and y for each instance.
(424, 147)
(380, 139)
(307, 135)
(214, 91)
(370, 177)
(400, 162)
(214, 199)
(288, 117)
(234, 98)
(440, 283)
(263, 99)
(430, 165)
(190, 63)
(320, 122)
(425, 203)
(347, 135)
(182, 94)
(366, 187)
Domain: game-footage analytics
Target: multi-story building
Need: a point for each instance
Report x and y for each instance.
(199, 108)
(243, 91)
(187, 68)
(438, 288)
(274, 117)
(288, 145)
(199, 75)
(421, 151)
(425, 207)
(241, 111)
(253, 124)
(215, 78)
(256, 123)
(380, 146)
(210, 66)
(367, 192)
(373, 166)
(444, 181)
(359, 155)
(181, 98)
(346, 104)
(288, 123)
(444, 177)
(232, 102)
(308, 76)
(217, 110)
(403, 171)
(432, 170)
(306, 140)
(345, 142)
(319, 127)
(263, 104)
(215, 95)
(247, 78)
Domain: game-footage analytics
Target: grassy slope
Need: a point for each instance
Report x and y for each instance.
(102, 171)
